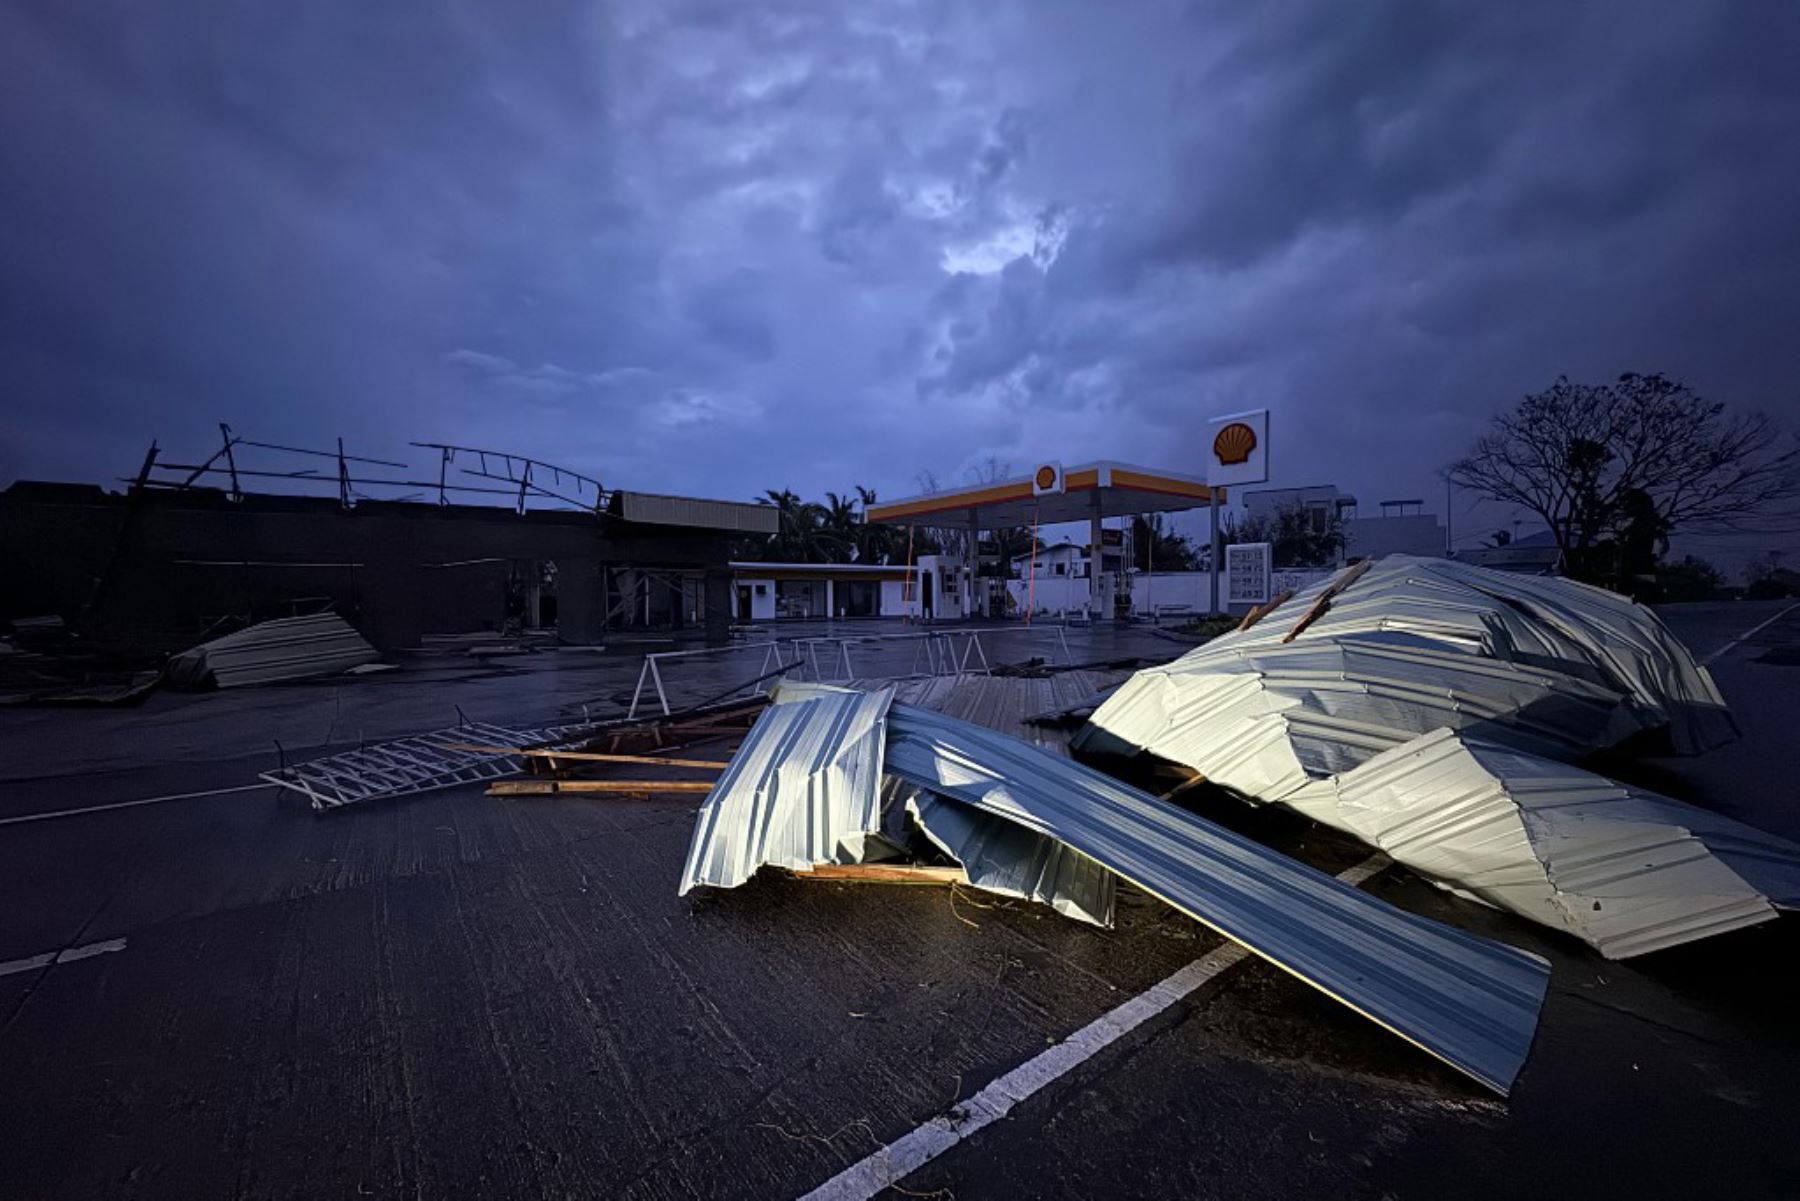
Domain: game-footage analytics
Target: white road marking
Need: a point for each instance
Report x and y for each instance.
(913, 1150)
(71, 955)
(155, 800)
(1754, 630)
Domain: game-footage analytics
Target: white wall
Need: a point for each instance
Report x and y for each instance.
(762, 603)
(1190, 588)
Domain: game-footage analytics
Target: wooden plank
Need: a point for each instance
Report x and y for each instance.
(1193, 781)
(550, 787)
(1261, 611)
(1323, 604)
(590, 756)
(884, 873)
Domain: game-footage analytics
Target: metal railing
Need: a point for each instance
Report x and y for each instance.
(933, 653)
(651, 673)
(841, 658)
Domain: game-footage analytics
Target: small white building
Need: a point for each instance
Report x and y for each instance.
(936, 587)
(1068, 560)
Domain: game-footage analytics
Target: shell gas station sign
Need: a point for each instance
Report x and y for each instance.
(1238, 449)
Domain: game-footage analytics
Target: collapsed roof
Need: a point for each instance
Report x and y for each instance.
(801, 791)
(1350, 701)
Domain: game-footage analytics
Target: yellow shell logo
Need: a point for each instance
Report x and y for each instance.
(1046, 477)
(1234, 444)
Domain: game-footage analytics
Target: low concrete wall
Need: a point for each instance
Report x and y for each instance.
(1187, 591)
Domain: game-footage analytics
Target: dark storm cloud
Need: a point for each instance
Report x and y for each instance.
(725, 247)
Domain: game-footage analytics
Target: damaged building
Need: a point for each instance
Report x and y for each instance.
(183, 548)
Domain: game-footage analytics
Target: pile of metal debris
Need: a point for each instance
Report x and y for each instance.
(1428, 708)
(288, 648)
(833, 776)
(1432, 709)
(45, 662)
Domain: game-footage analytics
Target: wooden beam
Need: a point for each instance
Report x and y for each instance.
(1321, 606)
(884, 873)
(589, 756)
(1261, 611)
(551, 787)
(1193, 781)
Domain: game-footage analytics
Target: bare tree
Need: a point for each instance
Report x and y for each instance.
(1628, 462)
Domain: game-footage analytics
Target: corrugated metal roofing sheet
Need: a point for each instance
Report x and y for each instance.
(996, 855)
(653, 509)
(288, 648)
(1002, 857)
(803, 789)
(1265, 720)
(1625, 870)
(1334, 724)
(1471, 1002)
(1534, 621)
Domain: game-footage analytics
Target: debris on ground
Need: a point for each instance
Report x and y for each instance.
(804, 789)
(407, 766)
(557, 758)
(816, 781)
(287, 648)
(1431, 708)
(1625, 870)
(44, 663)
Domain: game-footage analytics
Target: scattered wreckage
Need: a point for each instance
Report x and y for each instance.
(1431, 709)
(806, 788)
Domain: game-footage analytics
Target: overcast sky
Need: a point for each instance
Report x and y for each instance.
(716, 248)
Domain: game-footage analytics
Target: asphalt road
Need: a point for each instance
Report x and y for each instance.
(458, 995)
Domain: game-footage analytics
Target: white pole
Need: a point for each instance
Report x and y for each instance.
(1218, 551)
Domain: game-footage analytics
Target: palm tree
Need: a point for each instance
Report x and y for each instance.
(797, 537)
(874, 543)
(839, 527)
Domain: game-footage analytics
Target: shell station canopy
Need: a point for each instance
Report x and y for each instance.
(1052, 494)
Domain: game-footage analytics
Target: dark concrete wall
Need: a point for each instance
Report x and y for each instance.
(158, 566)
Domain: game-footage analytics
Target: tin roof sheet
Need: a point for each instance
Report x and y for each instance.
(1470, 1002)
(803, 789)
(288, 648)
(1623, 869)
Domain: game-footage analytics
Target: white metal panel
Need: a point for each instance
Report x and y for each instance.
(1625, 870)
(288, 648)
(1469, 1001)
(803, 789)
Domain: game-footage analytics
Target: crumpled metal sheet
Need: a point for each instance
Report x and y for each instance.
(1265, 720)
(1329, 722)
(1470, 1002)
(803, 789)
(288, 648)
(1625, 870)
(1001, 857)
(996, 856)
(1535, 629)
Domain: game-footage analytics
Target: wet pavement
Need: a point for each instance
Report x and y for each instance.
(460, 995)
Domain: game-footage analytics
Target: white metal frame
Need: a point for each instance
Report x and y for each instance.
(945, 652)
(651, 672)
